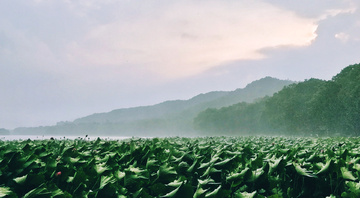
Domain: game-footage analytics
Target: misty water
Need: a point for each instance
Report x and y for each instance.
(58, 137)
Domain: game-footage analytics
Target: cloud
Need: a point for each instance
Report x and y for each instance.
(334, 48)
(186, 38)
(22, 51)
(62, 59)
(342, 36)
(334, 12)
(316, 9)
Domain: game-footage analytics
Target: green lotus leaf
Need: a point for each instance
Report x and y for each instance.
(175, 159)
(74, 160)
(354, 188)
(86, 153)
(141, 194)
(56, 192)
(330, 153)
(192, 168)
(257, 162)
(344, 153)
(327, 167)
(5, 191)
(302, 154)
(45, 154)
(303, 172)
(176, 152)
(356, 167)
(214, 159)
(314, 158)
(204, 147)
(70, 179)
(200, 193)
(237, 178)
(133, 180)
(157, 168)
(184, 165)
(135, 170)
(256, 174)
(105, 180)
(189, 157)
(20, 180)
(175, 183)
(183, 191)
(38, 192)
(354, 160)
(158, 189)
(346, 174)
(151, 164)
(210, 170)
(27, 148)
(35, 179)
(201, 183)
(218, 193)
(80, 191)
(103, 160)
(51, 164)
(331, 196)
(147, 153)
(100, 168)
(235, 153)
(166, 171)
(225, 163)
(29, 159)
(274, 166)
(284, 151)
(319, 165)
(204, 165)
(245, 194)
(68, 152)
(79, 177)
(119, 175)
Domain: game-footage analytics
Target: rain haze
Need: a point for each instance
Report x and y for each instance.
(61, 60)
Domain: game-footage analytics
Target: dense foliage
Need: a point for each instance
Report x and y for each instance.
(310, 107)
(218, 167)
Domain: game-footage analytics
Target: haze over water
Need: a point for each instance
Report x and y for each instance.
(58, 137)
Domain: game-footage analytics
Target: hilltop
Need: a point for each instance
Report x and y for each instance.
(172, 117)
(312, 107)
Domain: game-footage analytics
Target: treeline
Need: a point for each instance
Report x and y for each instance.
(146, 128)
(169, 118)
(4, 131)
(310, 107)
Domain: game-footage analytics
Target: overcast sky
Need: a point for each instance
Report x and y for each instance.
(65, 59)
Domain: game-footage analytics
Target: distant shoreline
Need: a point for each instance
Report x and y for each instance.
(60, 137)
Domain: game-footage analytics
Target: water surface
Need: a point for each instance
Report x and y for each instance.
(58, 137)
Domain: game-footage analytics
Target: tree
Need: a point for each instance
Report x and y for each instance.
(4, 131)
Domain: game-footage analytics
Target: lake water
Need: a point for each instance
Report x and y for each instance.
(59, 137)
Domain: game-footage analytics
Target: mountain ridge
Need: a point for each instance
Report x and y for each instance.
(312, 107)
(171, 117)
(214, 99)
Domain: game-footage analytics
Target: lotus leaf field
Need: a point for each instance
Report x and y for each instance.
(217, 167)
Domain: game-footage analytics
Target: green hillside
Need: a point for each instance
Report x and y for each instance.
(310, 107)
(167, 118)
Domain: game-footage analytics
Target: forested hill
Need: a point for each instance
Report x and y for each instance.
(310, 107)
(167, 118)
(256, 89)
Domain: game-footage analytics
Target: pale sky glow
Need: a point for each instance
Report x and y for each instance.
(64, 59)
(188, 38)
